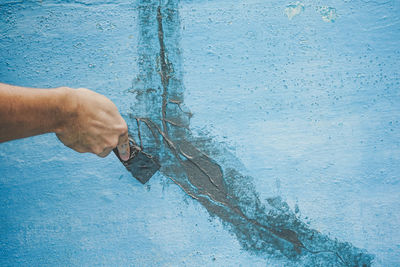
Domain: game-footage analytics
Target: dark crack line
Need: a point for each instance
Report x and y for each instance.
(176, 124)
(164, 73)
(145, 120)
(139, 135)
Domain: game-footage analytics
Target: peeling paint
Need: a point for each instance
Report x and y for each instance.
(328, 14)
(294, 9)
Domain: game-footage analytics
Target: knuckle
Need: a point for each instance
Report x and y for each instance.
(121, 129)
(97, 150)
(112, 142)
(83, 90)
(80, 149)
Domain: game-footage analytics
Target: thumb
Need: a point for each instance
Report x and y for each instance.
(123, 147)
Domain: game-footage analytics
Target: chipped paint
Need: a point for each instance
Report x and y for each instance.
(294, 9)
(328, 14)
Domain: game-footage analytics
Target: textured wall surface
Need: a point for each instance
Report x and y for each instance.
(277, 125)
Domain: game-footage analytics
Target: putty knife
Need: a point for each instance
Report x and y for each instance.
(141, 165)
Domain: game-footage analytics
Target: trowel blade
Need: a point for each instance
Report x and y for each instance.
(141, 165)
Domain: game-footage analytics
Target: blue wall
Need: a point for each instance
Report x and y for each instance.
(300, 100)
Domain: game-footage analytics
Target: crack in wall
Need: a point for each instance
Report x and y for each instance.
(205, 170)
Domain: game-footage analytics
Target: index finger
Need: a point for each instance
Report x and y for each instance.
(123, 147)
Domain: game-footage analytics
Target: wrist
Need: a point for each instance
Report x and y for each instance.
(67, 104)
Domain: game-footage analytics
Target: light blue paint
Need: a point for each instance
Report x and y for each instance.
(310, 107)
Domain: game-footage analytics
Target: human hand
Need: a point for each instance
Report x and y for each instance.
(92, 124)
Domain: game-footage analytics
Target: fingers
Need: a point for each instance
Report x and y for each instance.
(123, 147)
(96, 127)
(105, 152)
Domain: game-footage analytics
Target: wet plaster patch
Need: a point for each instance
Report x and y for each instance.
(206, 170)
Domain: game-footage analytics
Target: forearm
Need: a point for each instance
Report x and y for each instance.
(82, 119)
(26, 112)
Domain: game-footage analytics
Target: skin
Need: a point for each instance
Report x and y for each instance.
(82, 119)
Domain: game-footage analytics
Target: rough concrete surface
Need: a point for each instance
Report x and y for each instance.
(276, 124)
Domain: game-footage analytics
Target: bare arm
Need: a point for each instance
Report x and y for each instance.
(82, 119)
